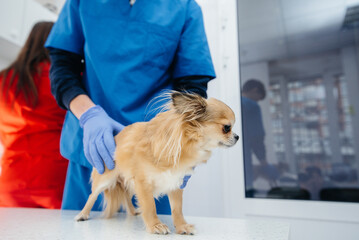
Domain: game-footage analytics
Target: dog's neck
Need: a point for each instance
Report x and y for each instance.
(173, 141)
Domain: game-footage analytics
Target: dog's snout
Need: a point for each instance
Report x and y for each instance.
(236, 137)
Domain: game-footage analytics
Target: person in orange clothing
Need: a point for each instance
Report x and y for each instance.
(32, 170)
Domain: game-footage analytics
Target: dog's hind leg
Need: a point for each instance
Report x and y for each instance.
(129, 206)
(97, 188)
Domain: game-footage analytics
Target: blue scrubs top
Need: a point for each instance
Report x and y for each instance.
(132, 53)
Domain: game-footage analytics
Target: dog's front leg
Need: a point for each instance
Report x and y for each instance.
(182, 227)
(148, 209)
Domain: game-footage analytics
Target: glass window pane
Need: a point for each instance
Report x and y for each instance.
(300, 101)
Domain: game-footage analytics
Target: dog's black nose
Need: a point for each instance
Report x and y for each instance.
(236, 137)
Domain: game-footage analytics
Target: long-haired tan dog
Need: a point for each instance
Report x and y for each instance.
(153, 157)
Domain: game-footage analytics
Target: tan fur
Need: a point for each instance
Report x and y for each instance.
(152, 158)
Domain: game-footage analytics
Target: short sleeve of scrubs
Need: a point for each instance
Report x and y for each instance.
(193, 57)
(67, 33)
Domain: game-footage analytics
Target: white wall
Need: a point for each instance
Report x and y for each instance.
(4, 63)
(17, 18)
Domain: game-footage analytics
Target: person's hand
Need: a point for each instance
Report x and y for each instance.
(185, 180)
(98, 138)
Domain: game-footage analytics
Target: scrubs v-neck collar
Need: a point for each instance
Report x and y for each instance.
(127, 9)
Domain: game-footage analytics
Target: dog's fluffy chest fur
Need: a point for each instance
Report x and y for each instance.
(167, 181)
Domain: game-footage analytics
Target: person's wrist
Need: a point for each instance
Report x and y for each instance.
(90, 113)
(80, 104)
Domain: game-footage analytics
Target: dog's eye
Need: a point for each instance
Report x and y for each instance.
(226, 128)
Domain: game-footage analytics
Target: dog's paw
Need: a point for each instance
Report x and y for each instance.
(81, 217)
(186, 229)
(159, 228)
(134, 211)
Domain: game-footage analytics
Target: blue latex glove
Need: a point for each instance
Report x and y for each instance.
(185, 180)
(98, 140)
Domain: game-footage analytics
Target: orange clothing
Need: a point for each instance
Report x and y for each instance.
(32, 170)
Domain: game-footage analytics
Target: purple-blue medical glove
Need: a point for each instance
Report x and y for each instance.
(185, 180)
(98, 140)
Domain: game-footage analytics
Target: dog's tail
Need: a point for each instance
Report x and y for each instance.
(114, 198)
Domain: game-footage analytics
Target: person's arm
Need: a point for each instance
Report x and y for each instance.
(98, 127)
(258, 135)
(193, 84)
(66, 83)
(65, 76)
(66, 86)
(192, 63)
(81, 104)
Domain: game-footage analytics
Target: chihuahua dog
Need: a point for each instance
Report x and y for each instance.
(152, 158)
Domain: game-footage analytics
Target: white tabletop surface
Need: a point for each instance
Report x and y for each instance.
(27, 223)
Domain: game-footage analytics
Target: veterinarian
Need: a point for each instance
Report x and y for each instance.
(109, 60)
(32, 170)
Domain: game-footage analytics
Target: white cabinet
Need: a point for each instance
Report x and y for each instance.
(17, 18)
(34, 12)
(11, 20)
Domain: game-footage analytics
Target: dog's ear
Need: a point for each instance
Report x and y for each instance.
(191, 106)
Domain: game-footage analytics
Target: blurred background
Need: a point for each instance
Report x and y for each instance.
(17, 19)
(306, 55)
(304, 166)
